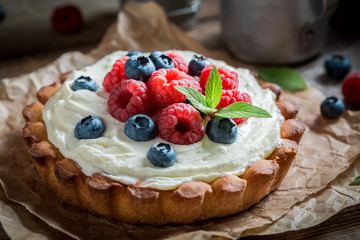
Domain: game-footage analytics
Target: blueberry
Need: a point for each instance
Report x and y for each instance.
(221, 130)
(140, 128)
(134, 53)
(337, 66)
(197, 64)
(84, 82)
(161, 60)
(162, 155)
(332, 107)
(139, 67)
(89, 127)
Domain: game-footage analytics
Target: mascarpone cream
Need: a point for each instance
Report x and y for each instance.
(118, 157)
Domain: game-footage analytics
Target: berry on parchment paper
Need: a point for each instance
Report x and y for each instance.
(332, 107)
(351, 90)
(67, 19)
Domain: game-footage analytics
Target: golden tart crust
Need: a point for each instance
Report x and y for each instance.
(190, 202)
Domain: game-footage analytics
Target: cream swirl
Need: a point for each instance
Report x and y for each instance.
(116, 156)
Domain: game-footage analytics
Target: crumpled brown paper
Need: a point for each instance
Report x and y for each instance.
(314, 189)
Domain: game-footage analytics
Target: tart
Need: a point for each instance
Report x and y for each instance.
(111, 175)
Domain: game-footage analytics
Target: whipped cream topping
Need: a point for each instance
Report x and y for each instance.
(118, 157)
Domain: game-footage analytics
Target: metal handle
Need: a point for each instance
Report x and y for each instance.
(307, 32)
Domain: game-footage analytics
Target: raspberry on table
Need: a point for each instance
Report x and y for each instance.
(351, 90)
(229, 79)
(162, 86)
(129, 98)
(179, 62)
(67, 19)
(116, 75)
(180, 123)
(230, 96)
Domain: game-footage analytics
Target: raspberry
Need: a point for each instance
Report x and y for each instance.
(179, 62)
(230, 96)
(116, 75)
(180, 123)
(351, 90)
(229, 79)
(129, 98)
(196, 85)
(162, 86)
(67, 19)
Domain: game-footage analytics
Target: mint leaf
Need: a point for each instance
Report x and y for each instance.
(191, 94)
(242, 110)
(207, 103)
(196, 99)
(285, 77)
(213, 88)
(355, 182)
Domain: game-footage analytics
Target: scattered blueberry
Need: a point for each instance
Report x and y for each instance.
(337, 66)
(84, 82)
(89, 127)
(162, 155)
(221, 130)
(332, 107)
(197, 64)
(134, 53)
(139, 67)
(140, 128)
(161, 60)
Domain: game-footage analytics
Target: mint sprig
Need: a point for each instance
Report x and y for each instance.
(196, 99)
(207, 104)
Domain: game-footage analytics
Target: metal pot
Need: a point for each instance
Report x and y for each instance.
(181, 12)
(275, 31)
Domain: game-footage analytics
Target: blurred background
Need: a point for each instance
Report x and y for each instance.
(299, 33)
(298, 29)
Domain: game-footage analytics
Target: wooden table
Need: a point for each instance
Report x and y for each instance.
(345, 224)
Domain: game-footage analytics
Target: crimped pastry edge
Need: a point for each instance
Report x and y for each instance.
(190, 202)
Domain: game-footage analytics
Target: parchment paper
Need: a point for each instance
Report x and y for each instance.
(314, 189)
